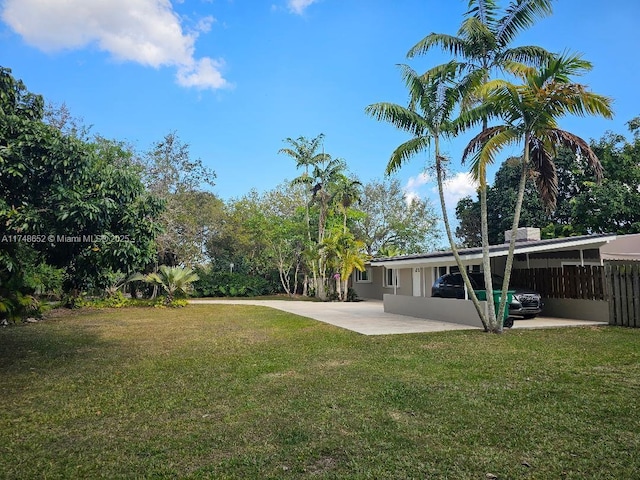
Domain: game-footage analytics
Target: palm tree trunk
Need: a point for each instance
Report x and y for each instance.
(447, 227)
(514, 230)
(484, 234)
(486, 260)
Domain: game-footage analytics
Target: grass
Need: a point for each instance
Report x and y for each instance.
(238, 391)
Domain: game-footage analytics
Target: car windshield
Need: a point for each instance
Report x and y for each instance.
(478, 279)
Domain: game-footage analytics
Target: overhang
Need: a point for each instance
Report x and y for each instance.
(474, 255)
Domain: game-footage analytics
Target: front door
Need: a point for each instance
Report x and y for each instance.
(417, 282)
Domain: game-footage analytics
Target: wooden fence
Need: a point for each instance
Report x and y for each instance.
(582, 283)
(619, 284)
(624, 288)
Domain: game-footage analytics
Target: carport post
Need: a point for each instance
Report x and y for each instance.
(395, 281)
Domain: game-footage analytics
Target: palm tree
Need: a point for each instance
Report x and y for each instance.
(432, 100)
(325, 174)
(530, 112)
(171, 279)
(305, 152)
(481, 47)
(346, 254)
(346, 192)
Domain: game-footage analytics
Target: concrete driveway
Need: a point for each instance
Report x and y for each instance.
(369, 318)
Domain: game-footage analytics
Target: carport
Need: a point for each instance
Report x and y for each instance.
(404, 282)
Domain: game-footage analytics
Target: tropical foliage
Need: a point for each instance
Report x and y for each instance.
(66, 204)
(530, 111)
(583, 206)
(173, 280)
(465, 86)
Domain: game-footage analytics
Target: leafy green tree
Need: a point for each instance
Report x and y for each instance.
(88, 213)
(612, 206)
(346, 192)
(390, 220)
(468, 229)
(181, 182)
(286, 235)
(501, 199)
(305, 152)
(344, 254)
(245, 233)
(582, 206)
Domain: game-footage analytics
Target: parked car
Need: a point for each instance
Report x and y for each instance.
(526, 303)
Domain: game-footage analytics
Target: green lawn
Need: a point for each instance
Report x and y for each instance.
(224, 391)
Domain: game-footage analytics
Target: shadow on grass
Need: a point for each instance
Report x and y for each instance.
(28, 345)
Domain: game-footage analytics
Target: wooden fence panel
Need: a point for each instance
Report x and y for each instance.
(623, 282)
(577, 282)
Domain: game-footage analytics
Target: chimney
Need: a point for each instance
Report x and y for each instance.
(524, 234)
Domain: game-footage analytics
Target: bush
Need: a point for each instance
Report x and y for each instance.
(352, 296)
(219, 284)
(18, 306)
(117, 300)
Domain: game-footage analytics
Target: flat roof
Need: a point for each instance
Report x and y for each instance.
(468, 255)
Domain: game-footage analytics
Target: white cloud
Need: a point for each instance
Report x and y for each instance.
(416, 182)
(147, 32)
(457, 187)
(413, 186)
(202, 74)
(299, 6)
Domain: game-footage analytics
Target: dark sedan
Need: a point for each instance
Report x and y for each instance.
(526, 303)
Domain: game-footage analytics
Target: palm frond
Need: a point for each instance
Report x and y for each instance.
(414, 84)
(449, 43)
(546, 178)
(399, 116)
(580, 147)
(406, 151)
(531, 55)
(561, 69)
(485, 11)
(483, 148)
(479, 38)
(519, 15)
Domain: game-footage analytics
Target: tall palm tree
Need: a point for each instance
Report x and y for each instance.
(305, 152)
(324, 174)
(346, 192)
(482, 47)
(432, 100)
(530, 112)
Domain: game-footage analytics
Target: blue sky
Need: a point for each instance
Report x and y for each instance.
(234, 78)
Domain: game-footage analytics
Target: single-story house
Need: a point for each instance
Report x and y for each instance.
(404, 282)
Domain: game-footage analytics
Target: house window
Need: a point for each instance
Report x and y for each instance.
(391, 274)
(364, 276)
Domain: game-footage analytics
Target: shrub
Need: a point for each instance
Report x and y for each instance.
(219, 284)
